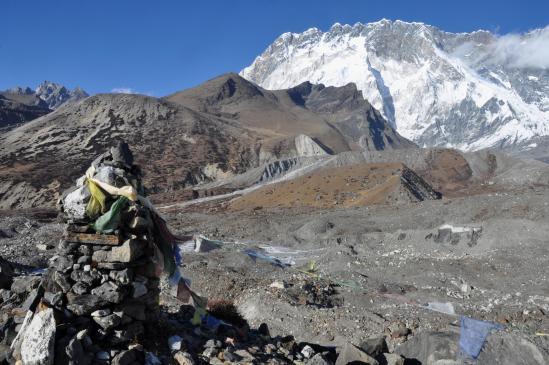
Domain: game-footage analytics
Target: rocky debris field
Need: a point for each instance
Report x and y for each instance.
(378, 272)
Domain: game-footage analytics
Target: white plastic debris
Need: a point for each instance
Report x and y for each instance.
(307, 352)
(447, 308)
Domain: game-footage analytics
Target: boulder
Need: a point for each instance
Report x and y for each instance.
(38, 343)
(352, 354)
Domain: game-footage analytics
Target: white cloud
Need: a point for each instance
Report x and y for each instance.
(530, 50)
(123, 90)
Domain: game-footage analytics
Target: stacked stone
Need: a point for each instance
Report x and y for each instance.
(103, 287)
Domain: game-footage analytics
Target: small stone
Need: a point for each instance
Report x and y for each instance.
(124, 358)
(54, 300)
(103, 356)
(76, 267)
(278, 285)
(84, 304)
(87, 267)
(42, 247)
(213, 343)
(308, 352)
(319, 359)
(107, 322)
(101, 313)
(231, 357)
(110, 292)
(139, 289)
(80, 288)
(183, 358)
(83, 260)
(174, 342)
(210, 352)
(123, 277)
(152, 359)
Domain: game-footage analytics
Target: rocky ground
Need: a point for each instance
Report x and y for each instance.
(375, 271)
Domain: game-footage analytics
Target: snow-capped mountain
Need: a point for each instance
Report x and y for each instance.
(56, 95)
(48, 94)
(467, 90)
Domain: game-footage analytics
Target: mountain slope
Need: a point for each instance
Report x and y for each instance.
(19, 108)
(421, 79)
(219, 129)
(337, 118)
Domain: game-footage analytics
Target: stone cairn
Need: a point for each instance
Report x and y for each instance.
(101, 289)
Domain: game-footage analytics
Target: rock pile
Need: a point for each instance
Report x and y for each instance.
(102, 286)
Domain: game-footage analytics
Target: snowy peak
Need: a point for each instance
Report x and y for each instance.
(56, 95)
(466, 90)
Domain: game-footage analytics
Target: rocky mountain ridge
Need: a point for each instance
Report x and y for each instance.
(219, 129)
(436, 88)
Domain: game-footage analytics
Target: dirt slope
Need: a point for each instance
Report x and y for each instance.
(348, 186)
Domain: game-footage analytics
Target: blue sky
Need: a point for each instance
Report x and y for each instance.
(158, 47)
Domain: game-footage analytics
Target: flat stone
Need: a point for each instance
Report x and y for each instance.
(93, 239)
(84, 304)
(110, 292)
(107, 322)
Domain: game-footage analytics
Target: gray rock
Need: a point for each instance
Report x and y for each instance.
(33, 299)
(125, 357)
(213, 343)
(430, 346)
(210, 352)
(24, 284)
(62, 280)
(62, 263)
(84, 304)
(54, 300)
(128, 332)
(138, 289)
(6, 274)
(318, 359)
(110, 292)
(352, 354)
(123, 277)
(392, 359)
(101, 312)
(128, 251)
(108, 322)
(503, 348)
(134, 310)
(374, 346)
(38, 343)
(80, 288)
